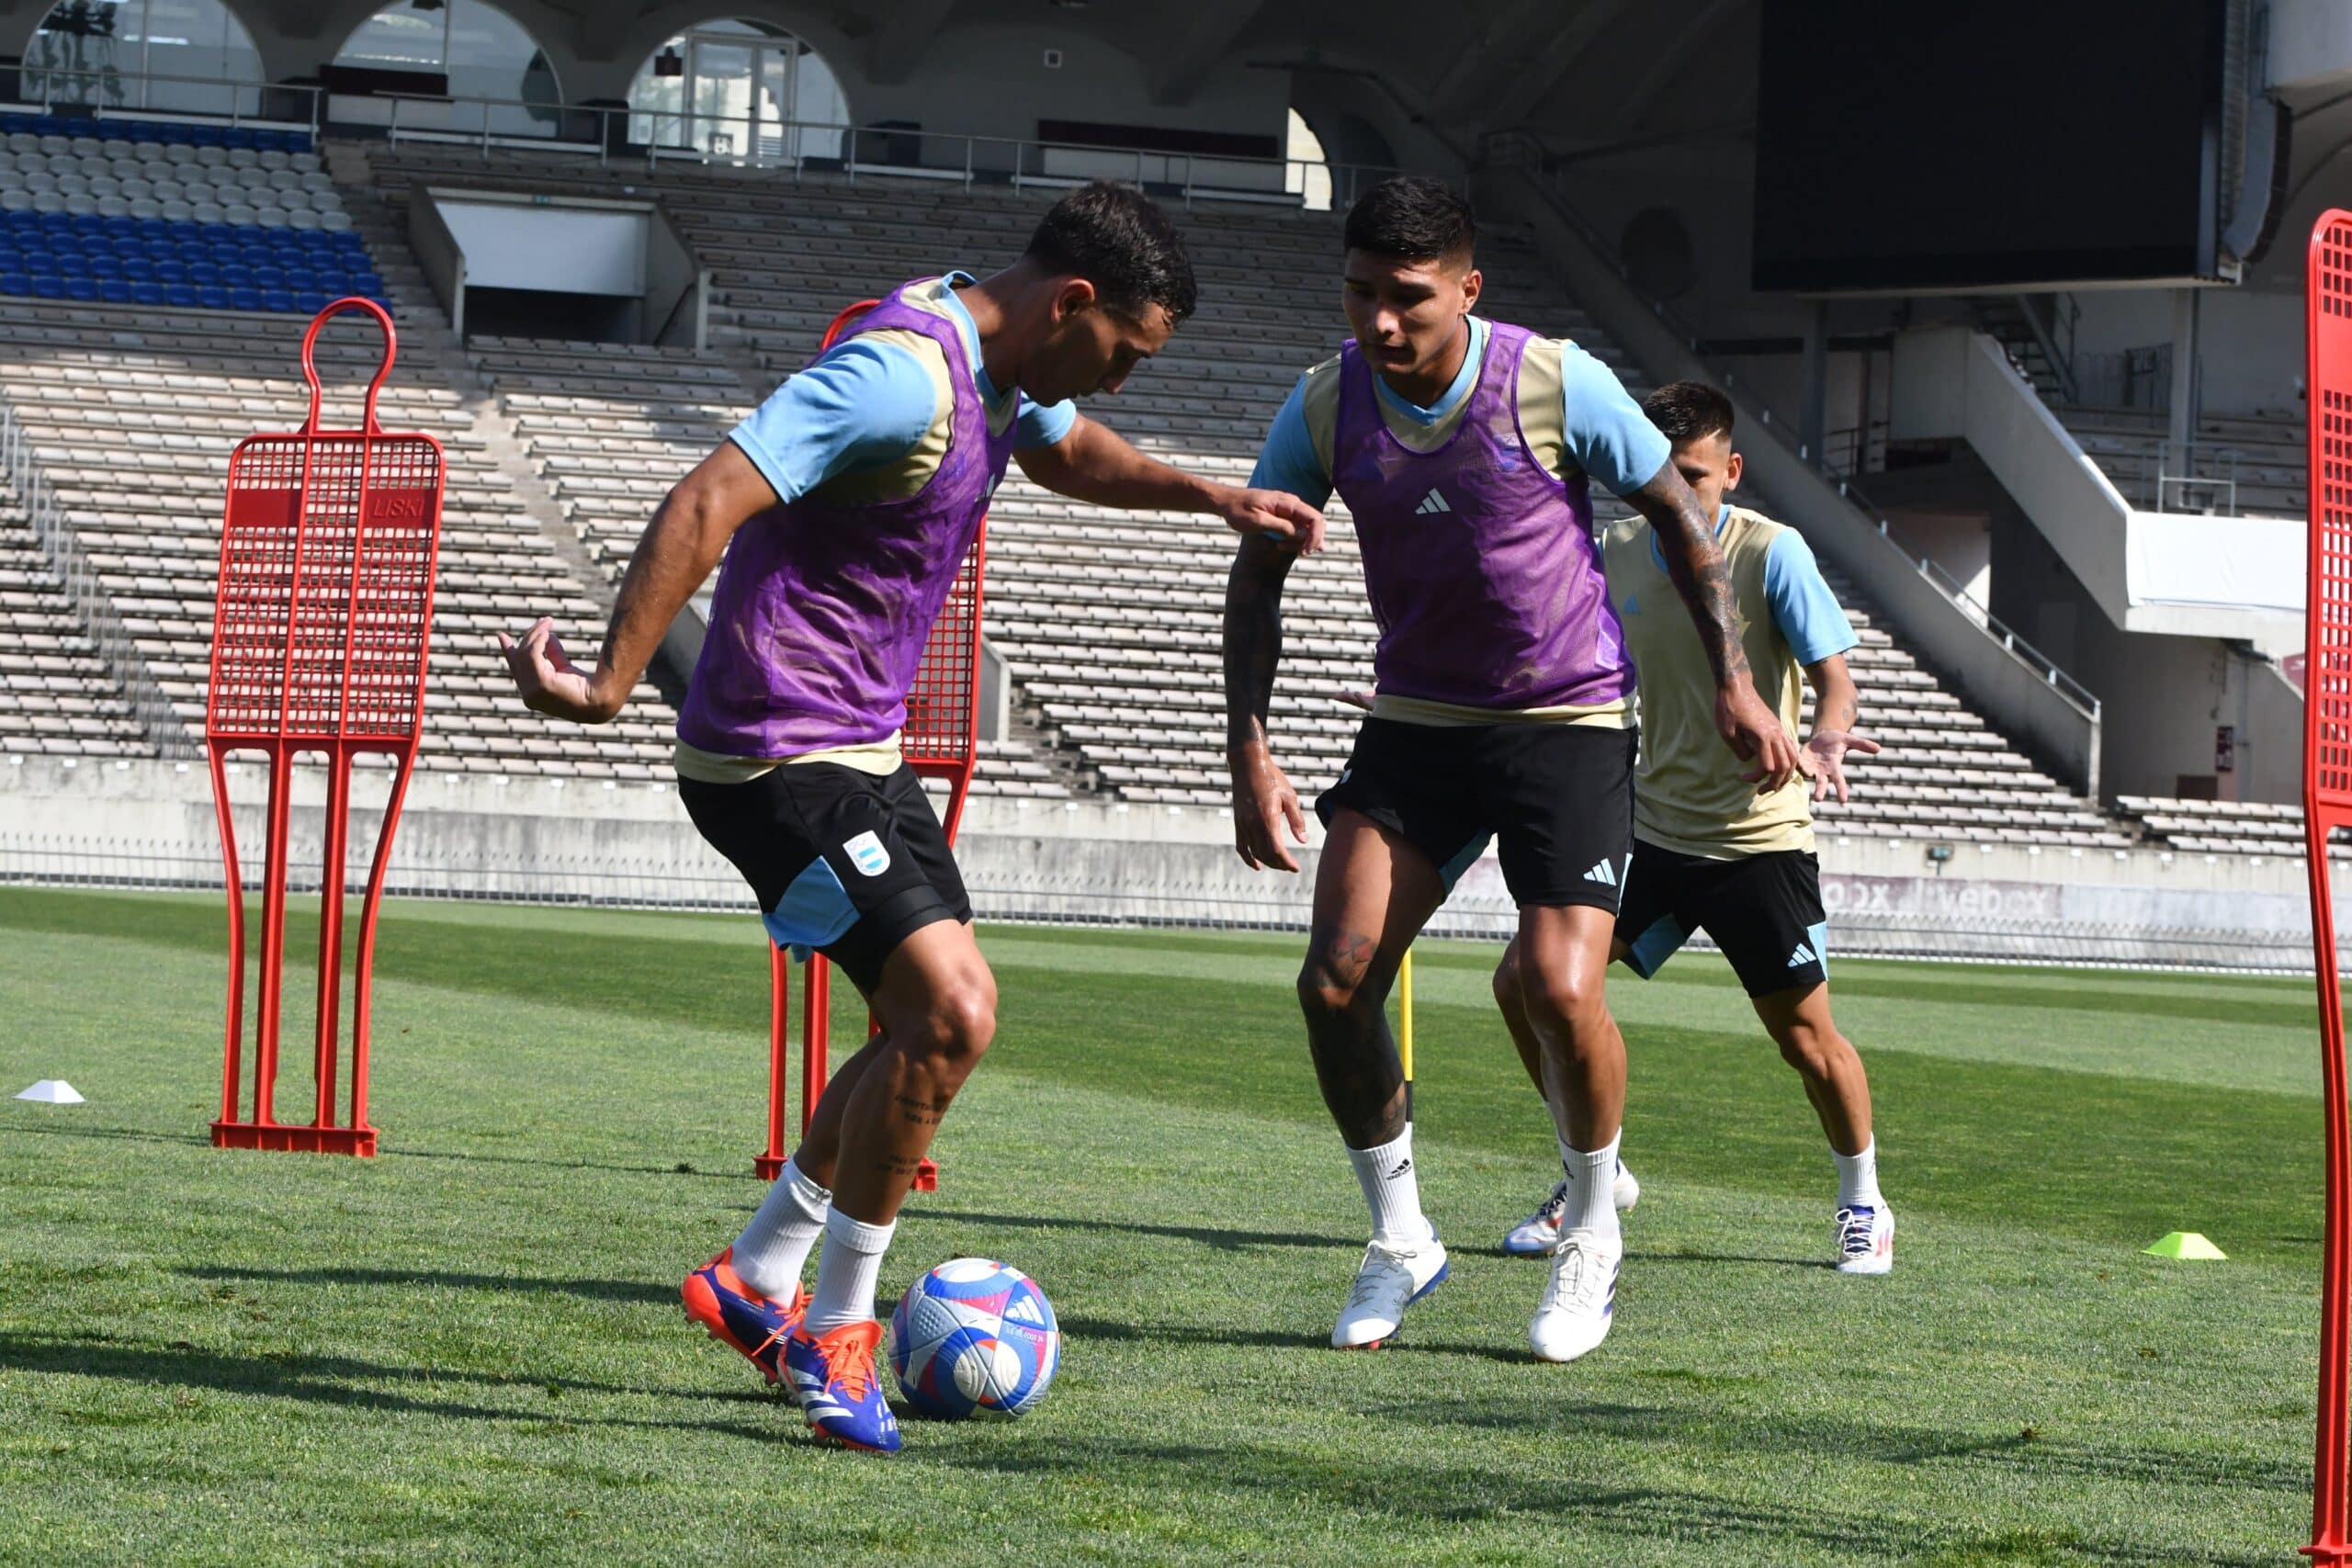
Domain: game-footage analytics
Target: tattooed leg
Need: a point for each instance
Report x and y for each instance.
(1372, 895)
(937, 1004)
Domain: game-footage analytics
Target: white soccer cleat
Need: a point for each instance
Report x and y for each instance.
(1389, 1279)
(1865, 1239)
(1537, 1235)
(1579, 1300)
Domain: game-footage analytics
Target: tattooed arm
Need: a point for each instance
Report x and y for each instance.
(1686, 538)
(1263, 797)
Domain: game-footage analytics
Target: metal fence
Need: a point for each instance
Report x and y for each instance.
(701, 881)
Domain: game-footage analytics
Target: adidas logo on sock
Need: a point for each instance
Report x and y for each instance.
(1803, 957)
(1402, 1167)
(1431, 503)
(1603, 874)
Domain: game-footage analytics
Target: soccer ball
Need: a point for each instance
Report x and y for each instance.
(974, 1338)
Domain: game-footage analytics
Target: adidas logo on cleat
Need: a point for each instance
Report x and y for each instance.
(1803, 957)
(1604, 874)
(1431, 503)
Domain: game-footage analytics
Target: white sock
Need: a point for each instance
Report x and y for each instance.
(1593, 1176)
(851, 1261)
(1393, 1191)
(774, 1248)
(1858, 1179)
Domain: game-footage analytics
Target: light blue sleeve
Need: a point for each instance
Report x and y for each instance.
(1042, 424)
(1811, 620)
(1288, 461)
(1608, 436)
(860, 406)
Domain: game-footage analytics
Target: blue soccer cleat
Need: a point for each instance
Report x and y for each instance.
(740, 1317)
(840, 1390)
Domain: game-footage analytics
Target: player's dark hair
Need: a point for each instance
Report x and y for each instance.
(1412, 217)
(1118, 239)
(1686, 410)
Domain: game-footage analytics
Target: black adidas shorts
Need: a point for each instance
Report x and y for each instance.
(1763, 910)
(845, 862)
(1556, 798)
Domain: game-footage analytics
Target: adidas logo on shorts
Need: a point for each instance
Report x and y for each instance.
(1803, 957)
(1431, 503)
(1604, 874)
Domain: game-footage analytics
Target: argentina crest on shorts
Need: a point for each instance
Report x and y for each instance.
(867, 853)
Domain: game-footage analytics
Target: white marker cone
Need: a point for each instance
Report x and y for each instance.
(53, 1091)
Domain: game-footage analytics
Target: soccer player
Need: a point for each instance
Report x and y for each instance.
(1466, 448)
(844, 506)
(1714, 852)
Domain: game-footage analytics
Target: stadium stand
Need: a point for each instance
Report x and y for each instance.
(2240, 465)
(55, 692)
(132, 427)
(1111, 623)
(132, 212)
(2226, 827)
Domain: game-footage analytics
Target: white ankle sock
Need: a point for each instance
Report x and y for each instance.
(1393, 1191)
(1593, 1176)
(1858, 1178)
(846, 1270)
(774, 1248)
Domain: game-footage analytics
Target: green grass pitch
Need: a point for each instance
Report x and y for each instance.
(471, 1348)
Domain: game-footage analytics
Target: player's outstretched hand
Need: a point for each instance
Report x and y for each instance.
(1264, 804)
(1755, 734)
(1826, 751)
(1276, 514)
(548, 681)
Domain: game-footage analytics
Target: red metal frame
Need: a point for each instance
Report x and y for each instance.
(942, 741)
(321, 634)
(2328, 803)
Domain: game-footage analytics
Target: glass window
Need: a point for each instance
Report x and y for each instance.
(486, 54)
(738, 89)
(112, 53)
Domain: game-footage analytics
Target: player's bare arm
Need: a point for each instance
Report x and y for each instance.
(1835, 709)
(1686, 538)
(1095, 462)
(680, 548)
(1263, 800)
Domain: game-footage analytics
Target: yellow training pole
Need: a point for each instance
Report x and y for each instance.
(1405, 1025)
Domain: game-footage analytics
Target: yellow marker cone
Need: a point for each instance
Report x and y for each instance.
(2185, 1245)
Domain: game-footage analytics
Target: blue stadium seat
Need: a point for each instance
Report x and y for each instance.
(237, 277)
(147, 294)
(204, 273)
(180, 294)
(16, 283)
(168, 272)
(214, 299)
(276, 300)
(267, 276)
(47, 287)
(80, 289)
(312, 302)
(245, 299)
(115, 292)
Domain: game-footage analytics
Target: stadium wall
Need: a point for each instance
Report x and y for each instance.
(150, 824)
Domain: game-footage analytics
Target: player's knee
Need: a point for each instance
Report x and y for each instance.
(1506, 982)
(961, 1021)
(1807, 1048)
(1571, 1002)
(1326, 993)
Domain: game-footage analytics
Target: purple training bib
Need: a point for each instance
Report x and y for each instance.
(821, 611)
(1481, 565)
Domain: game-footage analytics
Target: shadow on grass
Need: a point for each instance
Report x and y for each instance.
(642, 1291)
(1424, 1488)
(1223, 1240)
(1096, 1328)
(122, 1134)
(1641, 1255)
(336, 1380)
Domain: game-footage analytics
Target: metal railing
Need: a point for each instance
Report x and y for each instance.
(158, 720)
(1504, 148)
(749, 141)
